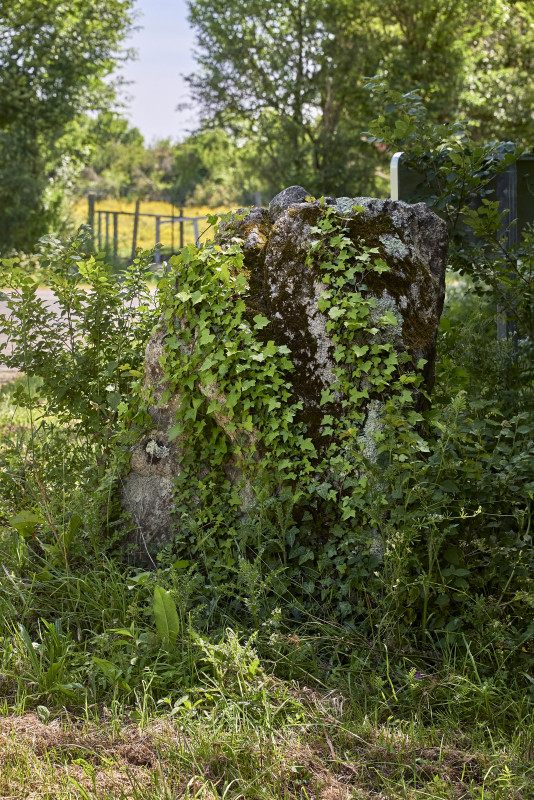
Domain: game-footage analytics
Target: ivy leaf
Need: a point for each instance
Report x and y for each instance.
(380, 266)
(206, 337)
(326, 397)
(183, 297)
(260, 322)
(175, 431)
(270, 349)
(389, 318)
(307, 445)
(336, 312)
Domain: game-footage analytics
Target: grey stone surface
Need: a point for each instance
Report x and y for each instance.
(288, 197)
(411, 240)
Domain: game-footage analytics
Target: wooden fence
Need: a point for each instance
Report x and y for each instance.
(106, 224)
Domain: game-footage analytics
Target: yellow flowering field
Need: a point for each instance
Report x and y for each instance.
(146, 234)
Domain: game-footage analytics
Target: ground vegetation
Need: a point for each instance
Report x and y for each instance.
(54, 58)
(408, 675)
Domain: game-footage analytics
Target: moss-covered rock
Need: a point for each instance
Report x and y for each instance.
(410, 239)
(286, 287)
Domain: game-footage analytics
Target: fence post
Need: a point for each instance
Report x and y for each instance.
(99, 215)
(157, 256)
(107, 233)
(181, 230)
(136, 225)
(115, 233)
(91, 218)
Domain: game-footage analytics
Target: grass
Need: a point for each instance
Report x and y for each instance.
(326, 751)
(94, 703)
(170, 233)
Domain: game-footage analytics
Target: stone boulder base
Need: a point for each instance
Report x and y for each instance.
(412, 241)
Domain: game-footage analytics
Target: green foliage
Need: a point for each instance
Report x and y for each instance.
(459, 173)
(401, 523)
(87, 349)
(245, 439)
(54, 58)
(392, 563)
(281, 76)
(166, 615)
(288, 78)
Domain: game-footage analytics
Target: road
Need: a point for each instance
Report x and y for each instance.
(47, 295)
(6, 374)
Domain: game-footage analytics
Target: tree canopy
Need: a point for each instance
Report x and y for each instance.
(290, 76)
(54, 57)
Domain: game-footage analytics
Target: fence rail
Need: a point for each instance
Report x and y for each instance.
(106, 230)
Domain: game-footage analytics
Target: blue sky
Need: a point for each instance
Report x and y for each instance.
(164, 44)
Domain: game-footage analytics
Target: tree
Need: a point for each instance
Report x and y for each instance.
(280, 73)
(465, 59)
(290, 76)
(54, 57)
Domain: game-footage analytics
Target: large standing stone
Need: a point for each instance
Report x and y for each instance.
(412, 241)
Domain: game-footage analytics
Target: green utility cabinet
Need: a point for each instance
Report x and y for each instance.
(513, 188)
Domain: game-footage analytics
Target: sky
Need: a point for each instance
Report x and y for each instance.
(164, 44)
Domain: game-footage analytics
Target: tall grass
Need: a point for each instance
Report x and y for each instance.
(116, 681)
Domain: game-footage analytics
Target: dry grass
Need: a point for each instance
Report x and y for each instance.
(171, 758)
(146, 238)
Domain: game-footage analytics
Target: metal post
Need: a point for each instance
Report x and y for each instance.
(157, 257)
(135, 228)
(99, 213)
(115, 233)
(507, 196)
(181, 230)
(394, 175)
(91, 218)
(107, 232)
(195, 226)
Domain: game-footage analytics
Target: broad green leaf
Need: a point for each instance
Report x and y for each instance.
(183, 296)
(336, 312)
(166, 615)
(389, 318)
(114, 400)
(25, 521)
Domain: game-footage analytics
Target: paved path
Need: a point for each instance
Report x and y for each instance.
(49, 298)
(6, 374)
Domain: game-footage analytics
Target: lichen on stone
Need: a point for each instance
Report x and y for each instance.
(381, 305)
(345, 205)
(154, 449)
(373, 425)
(394, 246)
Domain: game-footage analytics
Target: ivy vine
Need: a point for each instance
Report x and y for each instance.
(238, 418)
